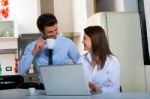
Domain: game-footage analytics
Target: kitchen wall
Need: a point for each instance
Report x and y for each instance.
(63, 12)
(25, 13)
(8, 50)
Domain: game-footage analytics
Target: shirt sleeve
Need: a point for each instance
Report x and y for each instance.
(26, 60)
(73, 52)
(114, 78)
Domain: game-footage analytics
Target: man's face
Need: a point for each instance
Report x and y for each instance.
(50, 31)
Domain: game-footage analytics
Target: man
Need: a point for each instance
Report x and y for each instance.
(37, 51)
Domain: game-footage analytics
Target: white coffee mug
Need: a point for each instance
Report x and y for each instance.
(50, 43)
(32, 91)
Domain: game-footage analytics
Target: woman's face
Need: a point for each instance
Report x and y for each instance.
(87, 42)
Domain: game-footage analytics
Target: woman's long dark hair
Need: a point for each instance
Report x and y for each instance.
(100, 47)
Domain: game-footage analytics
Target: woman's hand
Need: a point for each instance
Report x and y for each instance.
(94, 88)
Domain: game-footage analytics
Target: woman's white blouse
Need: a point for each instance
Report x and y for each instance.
(108, 78)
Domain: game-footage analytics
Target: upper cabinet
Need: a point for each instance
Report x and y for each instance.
(8, 29)
(116, 5)
(8, 36)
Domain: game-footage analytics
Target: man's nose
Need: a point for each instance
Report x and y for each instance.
(54, 33)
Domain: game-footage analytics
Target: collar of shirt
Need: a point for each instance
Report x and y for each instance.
(88, 57)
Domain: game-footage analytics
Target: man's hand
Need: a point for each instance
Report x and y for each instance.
(39, 45)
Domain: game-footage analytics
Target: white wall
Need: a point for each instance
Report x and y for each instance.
(90, 7)
(79, 21)
(63, 12)
(7, 60)
(25, 12)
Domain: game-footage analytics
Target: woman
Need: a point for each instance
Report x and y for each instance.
(101, 67)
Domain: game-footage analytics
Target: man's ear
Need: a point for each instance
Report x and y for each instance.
(43, 36)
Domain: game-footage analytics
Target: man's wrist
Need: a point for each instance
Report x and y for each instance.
(34, 52)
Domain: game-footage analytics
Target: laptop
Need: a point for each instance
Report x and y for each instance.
(64, 80)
